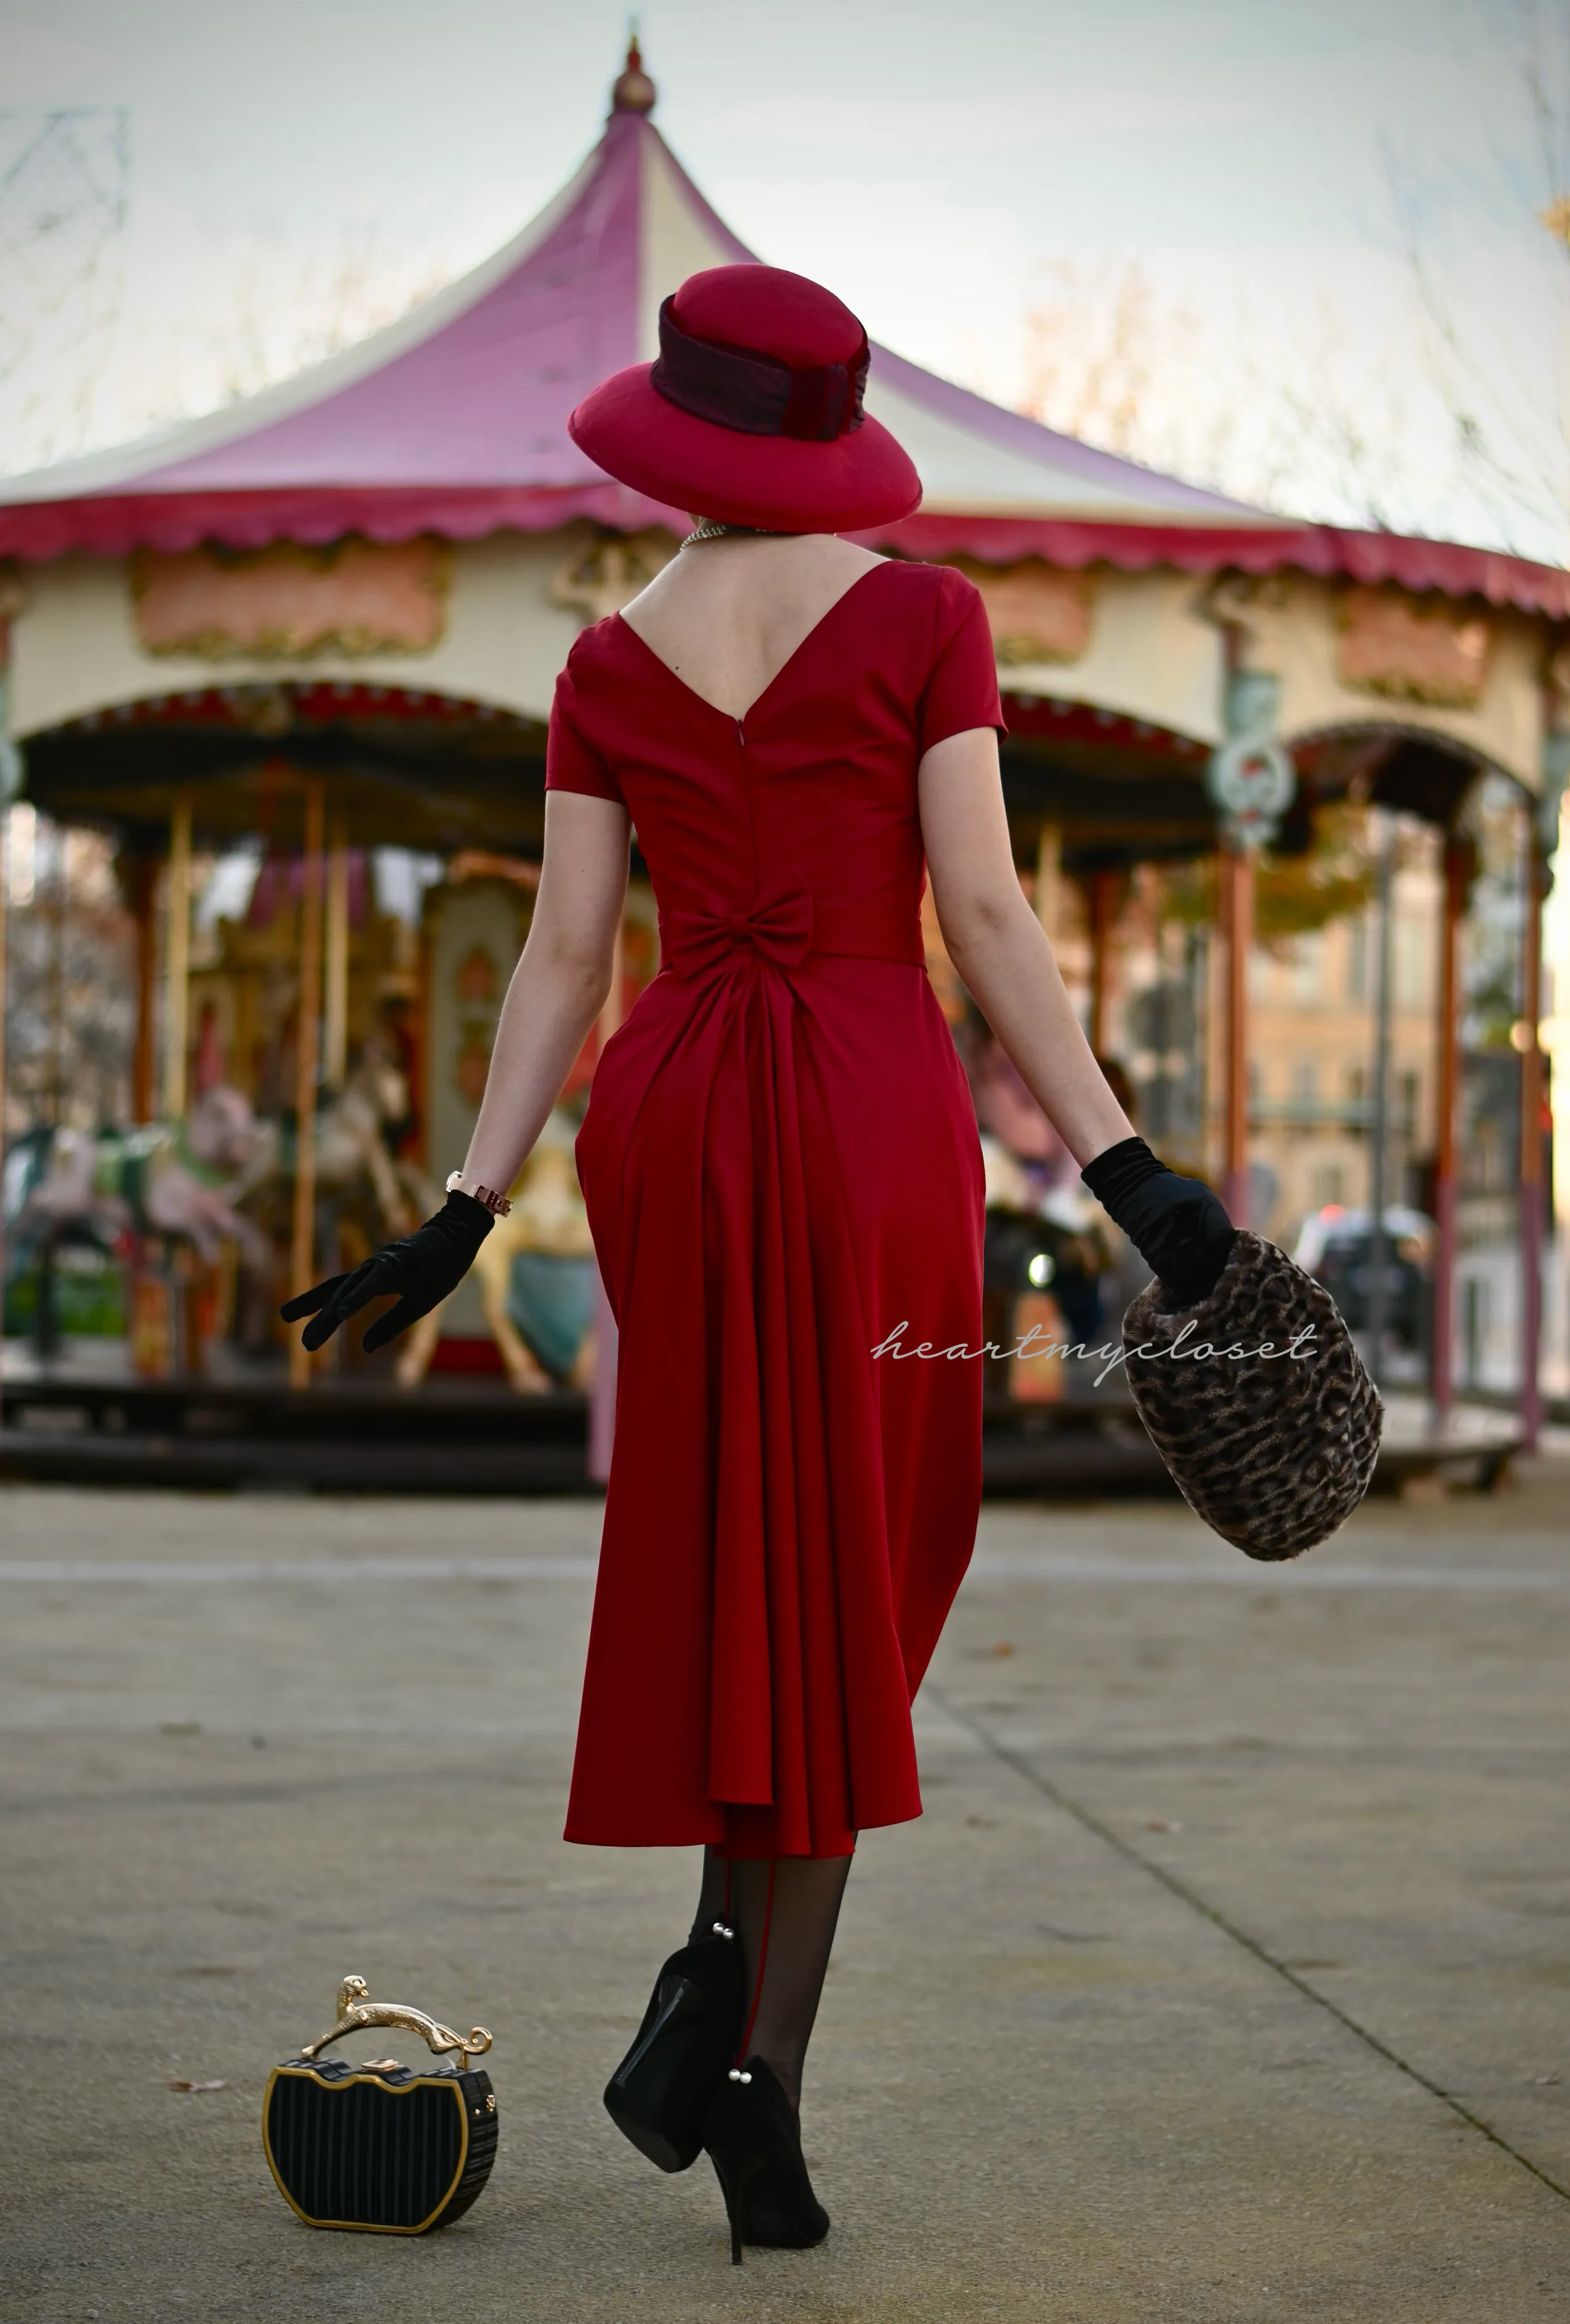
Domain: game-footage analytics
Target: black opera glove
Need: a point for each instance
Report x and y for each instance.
(1178, 1226)
(422, 1267)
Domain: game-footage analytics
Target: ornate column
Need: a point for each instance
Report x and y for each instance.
(1459, 865)
(1539, 835)
(1234, 869)
(1379, 1122)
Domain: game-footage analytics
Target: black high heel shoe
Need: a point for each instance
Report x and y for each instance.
(660, 2092)
(755, 2144)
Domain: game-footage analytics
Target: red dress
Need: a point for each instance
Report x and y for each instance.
(781, 1167)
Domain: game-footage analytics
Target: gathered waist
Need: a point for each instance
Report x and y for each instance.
(782, 929)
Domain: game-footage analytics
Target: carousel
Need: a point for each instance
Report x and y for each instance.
(296, 659)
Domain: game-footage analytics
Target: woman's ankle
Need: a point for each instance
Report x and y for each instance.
(786, 2072)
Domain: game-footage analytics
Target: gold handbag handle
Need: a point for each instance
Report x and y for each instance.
(357, 2013)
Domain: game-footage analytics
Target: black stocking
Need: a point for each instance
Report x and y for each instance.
(785, 1912)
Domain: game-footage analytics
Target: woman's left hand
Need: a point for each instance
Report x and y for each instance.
(1178, 1227)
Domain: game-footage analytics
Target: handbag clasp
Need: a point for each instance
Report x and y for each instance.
(357, 2012)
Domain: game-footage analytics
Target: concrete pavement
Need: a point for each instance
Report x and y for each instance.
(1226, 1978)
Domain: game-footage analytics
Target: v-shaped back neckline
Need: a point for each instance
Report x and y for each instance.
(739, 717)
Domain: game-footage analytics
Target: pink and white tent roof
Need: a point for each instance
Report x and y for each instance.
(453, 420)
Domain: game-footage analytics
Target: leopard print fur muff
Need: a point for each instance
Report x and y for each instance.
(1274, 1451)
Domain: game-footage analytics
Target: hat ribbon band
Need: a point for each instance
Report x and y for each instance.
(755, 394)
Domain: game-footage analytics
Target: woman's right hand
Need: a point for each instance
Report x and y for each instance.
(422, 1268)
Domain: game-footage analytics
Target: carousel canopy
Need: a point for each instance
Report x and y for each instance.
(453, 421)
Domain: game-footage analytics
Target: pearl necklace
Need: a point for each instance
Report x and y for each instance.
(708, 530)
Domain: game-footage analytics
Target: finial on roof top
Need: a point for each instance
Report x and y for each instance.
(634, 92)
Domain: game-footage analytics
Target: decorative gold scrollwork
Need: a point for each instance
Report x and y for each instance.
(597, 580)
(1412, 648)
(291, 601)
(357, 2011)
(1037, 613)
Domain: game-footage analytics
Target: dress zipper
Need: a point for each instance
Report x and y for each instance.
(741, 735)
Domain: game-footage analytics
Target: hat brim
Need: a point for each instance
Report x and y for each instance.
(778, 483)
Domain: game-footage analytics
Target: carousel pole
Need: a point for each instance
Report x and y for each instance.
(1531, 1138)
(143, 885)
(1447, 1089)
(1103, 916)
(302, 1257)
(1236, 865)
(178, 1003)
(603, 1395)
(58, 923)
(336, 1007)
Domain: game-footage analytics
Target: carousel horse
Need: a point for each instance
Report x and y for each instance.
(537, 1276)
(352, 1144)
(177, 1178)
(366, 1194)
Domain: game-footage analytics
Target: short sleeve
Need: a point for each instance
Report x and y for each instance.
(572, 762)
(961, 689)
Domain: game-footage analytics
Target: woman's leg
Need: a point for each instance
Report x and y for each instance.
(715, 1888)
(785, 1912)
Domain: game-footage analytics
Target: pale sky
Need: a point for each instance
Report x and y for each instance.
(946, 169)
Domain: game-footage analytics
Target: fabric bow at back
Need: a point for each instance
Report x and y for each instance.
(778, 930)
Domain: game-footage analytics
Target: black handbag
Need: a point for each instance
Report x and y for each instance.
(381, 2146)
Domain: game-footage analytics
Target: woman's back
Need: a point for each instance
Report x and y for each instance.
(729, 614)
(763, 720)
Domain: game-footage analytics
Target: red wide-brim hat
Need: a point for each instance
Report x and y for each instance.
(752, 414)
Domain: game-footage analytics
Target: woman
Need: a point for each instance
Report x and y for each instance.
(782, 1171)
